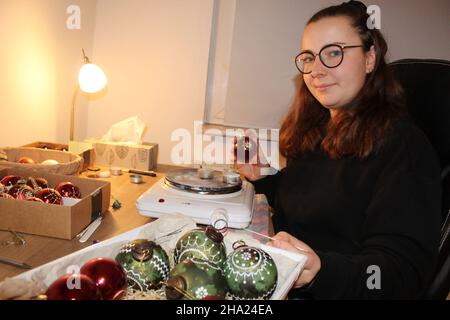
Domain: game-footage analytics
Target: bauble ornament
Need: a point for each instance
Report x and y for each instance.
(145, 263)
(195, 280)
(26, 160)
(50, 196)
(49, 162)
(250, 272)
(10, 180)
(73, 287)
(69, 190)
(21, 192)
(201, 244)
(108, 276)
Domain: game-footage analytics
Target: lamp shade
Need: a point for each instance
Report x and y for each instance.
(91, 78)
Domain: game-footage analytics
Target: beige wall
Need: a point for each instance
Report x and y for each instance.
(155, 55)
(39, 61)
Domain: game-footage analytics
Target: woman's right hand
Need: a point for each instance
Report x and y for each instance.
(250, 161)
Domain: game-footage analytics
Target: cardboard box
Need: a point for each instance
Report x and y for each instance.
(59, 221)
(131, 156)
(87, 154)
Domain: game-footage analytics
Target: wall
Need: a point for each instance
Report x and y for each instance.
(39, 61)
(155, 55)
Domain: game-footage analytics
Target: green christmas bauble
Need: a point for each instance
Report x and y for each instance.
(251, 273)
(145, 263)
(195, 280)
(203, 245)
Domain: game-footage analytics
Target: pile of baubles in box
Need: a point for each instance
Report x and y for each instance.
(37, 189)
(197, 268)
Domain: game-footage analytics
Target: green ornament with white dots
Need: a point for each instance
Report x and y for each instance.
(201, 244)
(145, 263)
(195, 279)
(251, 273)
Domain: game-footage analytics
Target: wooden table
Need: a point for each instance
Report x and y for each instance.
(40, 250)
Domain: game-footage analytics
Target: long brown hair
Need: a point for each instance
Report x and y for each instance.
(359, 133)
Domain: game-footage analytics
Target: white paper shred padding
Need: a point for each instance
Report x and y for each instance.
(166, 230)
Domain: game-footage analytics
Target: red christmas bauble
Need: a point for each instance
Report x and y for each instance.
(26, 160)
(41, 183)
(11, 180)
(21, 192)
(73, 287)
(108, 275)
(4, 195)
(68, 189)
(50, 196)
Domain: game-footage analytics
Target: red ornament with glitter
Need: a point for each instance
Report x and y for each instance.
(21, 192)
(50, 196)
(10, 180)
(73, 287)
(40, 183)
(109, 277)
(68, 189)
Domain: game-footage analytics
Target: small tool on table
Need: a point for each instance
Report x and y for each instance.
(15, 263)
(145, 173)
(89, 230)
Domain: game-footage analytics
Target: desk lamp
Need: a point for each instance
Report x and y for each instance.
(91, 79)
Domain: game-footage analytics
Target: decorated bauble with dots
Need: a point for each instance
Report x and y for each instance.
(10, 180)
(196, 280)
(69, 190)
(108, 276)
(250, 273)
(201, 244)
(145, 263)
(21, 192)
(36, 183)
(50, 196)
(73, 287)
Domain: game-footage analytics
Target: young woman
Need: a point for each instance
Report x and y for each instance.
(361, 189)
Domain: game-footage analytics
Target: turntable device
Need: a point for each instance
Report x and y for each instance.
(205, 195)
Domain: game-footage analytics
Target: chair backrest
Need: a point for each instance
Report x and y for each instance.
(426, 84)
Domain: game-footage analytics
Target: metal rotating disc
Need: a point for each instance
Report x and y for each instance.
(193, 180)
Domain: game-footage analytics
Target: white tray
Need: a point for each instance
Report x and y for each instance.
(289, 264)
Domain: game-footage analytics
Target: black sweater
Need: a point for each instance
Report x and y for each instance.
(383, 211)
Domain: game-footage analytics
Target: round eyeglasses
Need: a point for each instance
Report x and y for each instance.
(331, 56)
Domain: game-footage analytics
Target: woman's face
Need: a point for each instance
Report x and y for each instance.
(335, 87)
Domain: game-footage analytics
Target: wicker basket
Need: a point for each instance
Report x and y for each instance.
(69, 163)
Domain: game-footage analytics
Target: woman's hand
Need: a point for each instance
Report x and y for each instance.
(284, 240)
(248, 157)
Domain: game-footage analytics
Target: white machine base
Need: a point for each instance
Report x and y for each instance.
(236, 208)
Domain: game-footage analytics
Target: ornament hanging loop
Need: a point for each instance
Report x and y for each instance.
(238, 244)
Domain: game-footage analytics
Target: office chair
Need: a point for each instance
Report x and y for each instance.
(426, 85)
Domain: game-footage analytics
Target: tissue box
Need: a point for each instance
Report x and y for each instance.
(51, 220)
(124, 155)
